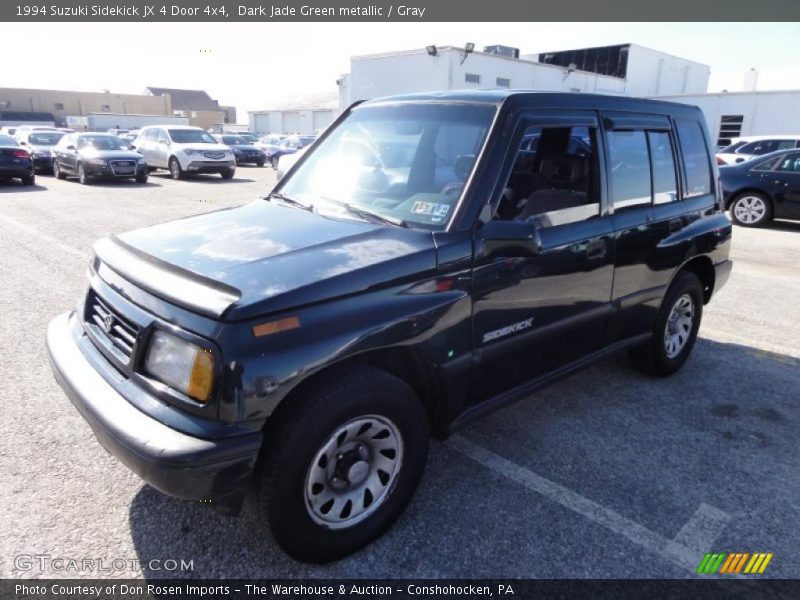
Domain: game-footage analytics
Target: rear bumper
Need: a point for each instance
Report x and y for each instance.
(16, 171)
(215, 471)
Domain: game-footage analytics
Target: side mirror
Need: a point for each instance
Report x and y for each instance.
(70, 147)
(508, 238)
(133, 147)
(23, 143)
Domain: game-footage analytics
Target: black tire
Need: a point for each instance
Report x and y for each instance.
(141, 178)
(29, 179)
(175, 170)
(654, 358)
(756, 217)
(274, 162)
(227, 173)
(260, 163)
(300, 431)
(83, 177)
(59, 174)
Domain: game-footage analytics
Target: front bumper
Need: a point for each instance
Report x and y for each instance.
(216, 471)
(253, 159)
(209, 166)
(108, 172)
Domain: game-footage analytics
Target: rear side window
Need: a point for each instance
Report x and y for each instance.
(629, 169)
(790, 163)
(665, 185)
(696, 162)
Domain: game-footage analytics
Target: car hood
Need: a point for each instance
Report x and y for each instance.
(263, 257)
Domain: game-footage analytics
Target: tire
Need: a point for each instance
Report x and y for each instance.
(673, 336)
(751, 209)
(82, 176)
(57, 172)
(29, 179)
(141, 178)
(260, 163)
(175, 170)
(348, 401)
(227, 173)
(274, 162)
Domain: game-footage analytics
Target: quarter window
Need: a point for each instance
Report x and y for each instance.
(696, 162)
(665, 185)
(790, 163)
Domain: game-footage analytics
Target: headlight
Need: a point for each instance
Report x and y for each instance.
(96, 161)
(141, 161)
(181, 365)
(193, 152)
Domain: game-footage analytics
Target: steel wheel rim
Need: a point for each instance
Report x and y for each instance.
(174, 168)
(81, 174)
(679, 326)
(750, 209)
(354, 472)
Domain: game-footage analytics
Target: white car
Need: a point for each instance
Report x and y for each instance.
(182, 150)
(745, 148)
(287, 161)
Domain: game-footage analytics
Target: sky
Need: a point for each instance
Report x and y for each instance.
(255, 65)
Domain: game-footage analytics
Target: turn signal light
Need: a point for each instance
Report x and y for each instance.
(201, 379)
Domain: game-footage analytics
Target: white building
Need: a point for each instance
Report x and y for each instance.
(734, 114)
(627, 69)
(305, 115)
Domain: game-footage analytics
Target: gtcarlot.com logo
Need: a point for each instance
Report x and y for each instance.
(46, 562)
(732, 563)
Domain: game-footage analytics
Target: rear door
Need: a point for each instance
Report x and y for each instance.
(786, 183)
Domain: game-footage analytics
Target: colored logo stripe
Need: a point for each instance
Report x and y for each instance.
(734, 562)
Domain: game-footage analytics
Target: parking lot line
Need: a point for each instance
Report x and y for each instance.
(685, 550)
(52, 241)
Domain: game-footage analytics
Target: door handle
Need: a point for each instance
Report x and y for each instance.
(595, 249)
(780, 182)
(675, 225)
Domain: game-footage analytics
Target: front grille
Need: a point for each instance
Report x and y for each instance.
(119, 331)
(123, 167)
(214, 155)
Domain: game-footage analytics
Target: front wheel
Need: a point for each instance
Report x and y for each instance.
(342, 463)
(57, 172)
(175, 169)
(83, 177)
(274, 162)
(141, 178)
(675, 329)
(751, 209)
(227, 173)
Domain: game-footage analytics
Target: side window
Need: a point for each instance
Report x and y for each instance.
(152, 134)
(696, 161)
(790, 163)
(629, 169)
(665, 183)
(162, 136)
(554, 178)
(766, 165)
(785, 145)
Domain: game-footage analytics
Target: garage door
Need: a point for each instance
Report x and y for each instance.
(322, 118)
(292, 122)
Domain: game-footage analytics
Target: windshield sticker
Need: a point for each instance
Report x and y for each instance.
(432, 209)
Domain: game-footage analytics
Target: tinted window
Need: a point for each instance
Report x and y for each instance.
(102, 142)
(767, 164)
(695, 158)
(629, 168)
(790, 163)
(7, 140)
(665, 185)
(45, 138)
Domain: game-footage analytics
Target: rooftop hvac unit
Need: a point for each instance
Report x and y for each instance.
(502, 51)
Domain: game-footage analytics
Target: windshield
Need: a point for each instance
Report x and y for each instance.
(406, 162)
(45, 138)
(234, 140)
(102, 142)
(191, 136)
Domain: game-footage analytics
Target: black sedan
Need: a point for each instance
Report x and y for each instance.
(39, 144)
(90, 156)
(15, 162)
(763, 188)
(243, 150)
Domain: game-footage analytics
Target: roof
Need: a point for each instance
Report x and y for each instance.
(187, 99)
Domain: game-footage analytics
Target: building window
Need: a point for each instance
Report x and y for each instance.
(472, 78)
(59, 106)
(575, 90)
(730, 126)
(105, 108)
(503, 82)
(5, 103)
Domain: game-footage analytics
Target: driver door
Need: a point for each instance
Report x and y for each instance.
(534, 312)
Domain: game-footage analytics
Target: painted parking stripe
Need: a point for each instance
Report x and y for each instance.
(686, 550)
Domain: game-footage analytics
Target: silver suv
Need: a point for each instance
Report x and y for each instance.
(183, 150)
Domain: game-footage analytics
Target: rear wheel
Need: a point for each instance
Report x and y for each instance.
(83, 177)
(751, 209)
(342, 463)
(274, 162)
(29, 179)
(175, 169)
(675, 329)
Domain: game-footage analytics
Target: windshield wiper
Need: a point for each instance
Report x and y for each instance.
(287, 200)
(366, 213)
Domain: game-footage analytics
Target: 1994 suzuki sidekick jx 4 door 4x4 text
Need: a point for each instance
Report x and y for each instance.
(431, 258)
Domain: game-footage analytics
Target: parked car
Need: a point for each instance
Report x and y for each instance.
(243, 150)
(39, 143)
(8, 130)
(269, 143)
(183, 149)
(15, 161)
(307, 345)
(764, 188)
(745, 148)
(287, 161)
(92, 156)
(118, 132)
(251, 138)
(288, 145)
(131, 136)
(23, 130)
